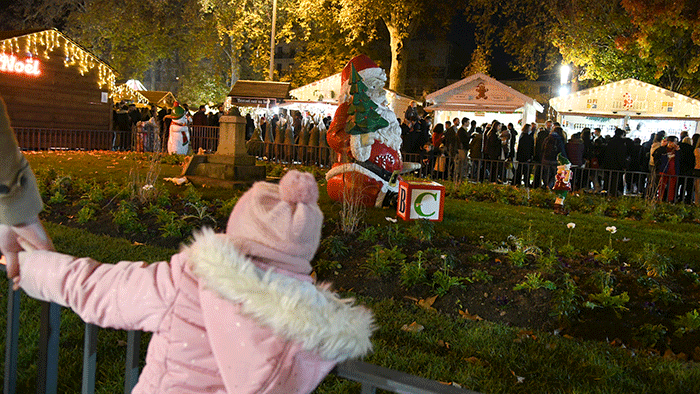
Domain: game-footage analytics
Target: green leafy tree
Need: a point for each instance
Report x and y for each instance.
(653, 41)
(243, 28)
(324, 46)
(130, 34)
(366, 20)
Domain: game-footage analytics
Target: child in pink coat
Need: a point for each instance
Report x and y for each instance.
(230, 313)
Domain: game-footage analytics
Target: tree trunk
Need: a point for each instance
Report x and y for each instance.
(397, 72)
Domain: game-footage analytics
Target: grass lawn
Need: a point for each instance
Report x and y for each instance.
(488, 356)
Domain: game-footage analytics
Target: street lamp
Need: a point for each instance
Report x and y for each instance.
(272, 40)
(564, 72)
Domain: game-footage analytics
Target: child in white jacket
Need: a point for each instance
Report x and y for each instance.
(231, 313)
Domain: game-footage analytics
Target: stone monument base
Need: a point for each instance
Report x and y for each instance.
(223, 170)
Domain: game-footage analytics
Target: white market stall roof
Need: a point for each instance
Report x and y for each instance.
(628, 97)
(479, 93)
(327, 90)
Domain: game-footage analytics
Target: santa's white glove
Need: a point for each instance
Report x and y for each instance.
(24, 237)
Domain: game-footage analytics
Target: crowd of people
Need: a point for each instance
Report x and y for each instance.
(664, 167)
(152, 125)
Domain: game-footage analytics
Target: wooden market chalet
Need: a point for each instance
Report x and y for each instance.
(49, 81)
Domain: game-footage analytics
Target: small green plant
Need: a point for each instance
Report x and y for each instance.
(649, 335)
(335, 246)
(534, 281)
(605, 299)
(192, 195)
(568, 251)
(607, 255)
(200, 208)
(442, 281)
(652, 261)
(93, 193)
(479, 257)
(126, 218)
(423, 230)
(395, 236)
(413, 273)
(547, 262)
(663, 294)
(226, 207)
(369, 234)
(162, 215)
(85, 214)
(175, 227)
(481, 276)
(687, 323)
(382, 260)
(566, 300)
(602, 279)
(57, 197)
(325, 267)
(517, 258)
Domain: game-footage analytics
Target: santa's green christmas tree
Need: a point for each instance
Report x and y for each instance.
(362, 112)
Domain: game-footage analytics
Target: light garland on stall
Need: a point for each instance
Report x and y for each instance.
(44, 43)
(125, 92)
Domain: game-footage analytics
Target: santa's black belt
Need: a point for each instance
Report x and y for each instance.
(379, 171)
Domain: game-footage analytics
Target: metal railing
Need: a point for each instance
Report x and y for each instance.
(371, 377)
(676, 188)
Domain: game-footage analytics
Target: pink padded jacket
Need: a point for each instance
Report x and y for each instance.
(220, 323)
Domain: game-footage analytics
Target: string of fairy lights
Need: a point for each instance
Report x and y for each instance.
(45, 43)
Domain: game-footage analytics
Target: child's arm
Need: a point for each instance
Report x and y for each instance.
(128, 295)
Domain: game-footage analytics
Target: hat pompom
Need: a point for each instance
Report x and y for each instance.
(298, 187)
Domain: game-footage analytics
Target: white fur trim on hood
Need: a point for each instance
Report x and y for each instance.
(300, 311)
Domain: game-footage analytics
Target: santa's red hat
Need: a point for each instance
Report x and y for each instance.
(361, 62)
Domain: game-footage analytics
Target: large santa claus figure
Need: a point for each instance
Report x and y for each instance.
(367, 163)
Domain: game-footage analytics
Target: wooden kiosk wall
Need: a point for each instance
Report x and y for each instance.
(59, 98)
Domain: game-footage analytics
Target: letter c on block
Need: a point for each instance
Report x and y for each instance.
(419, 202)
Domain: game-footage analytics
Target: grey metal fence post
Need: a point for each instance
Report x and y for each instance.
(89, 358)
(11, 340)
(47, 369)
(133, 345)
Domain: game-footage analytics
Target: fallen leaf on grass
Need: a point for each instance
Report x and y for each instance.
(476, 361)
(466, 315)
(444, 344)
(413, 327)
(427, 303)
(519, 379)
(450, 384)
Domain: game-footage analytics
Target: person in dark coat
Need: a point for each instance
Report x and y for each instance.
(616, 158)
(553, 145)
(524, 155)
(249, 126)
(685, 172)
(574, 150)
(493, 149)
(475, 154)
(539, 143)
(200, 118)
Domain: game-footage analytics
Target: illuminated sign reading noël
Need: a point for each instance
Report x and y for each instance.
(10, 64)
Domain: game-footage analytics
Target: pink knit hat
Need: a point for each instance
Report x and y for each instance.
(281, 223)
